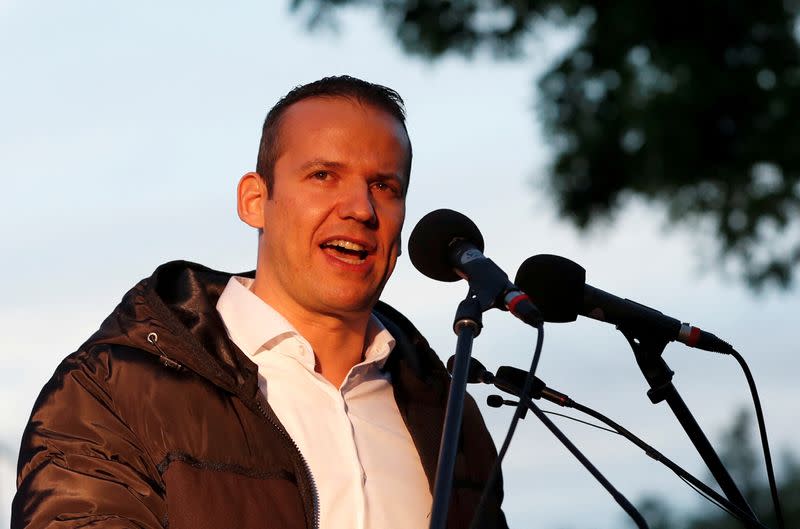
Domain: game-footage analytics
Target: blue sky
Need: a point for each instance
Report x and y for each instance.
(123, 132)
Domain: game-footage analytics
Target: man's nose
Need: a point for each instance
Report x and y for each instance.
(357, 203)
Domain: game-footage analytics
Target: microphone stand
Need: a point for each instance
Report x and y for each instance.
(648, 350)
(467, 326)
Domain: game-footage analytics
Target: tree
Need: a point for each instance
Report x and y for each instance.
(686, 104)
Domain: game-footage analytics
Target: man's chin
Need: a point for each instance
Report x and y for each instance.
(352, 308)
(350, 304)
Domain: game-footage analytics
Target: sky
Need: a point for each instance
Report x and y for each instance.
(125, 128)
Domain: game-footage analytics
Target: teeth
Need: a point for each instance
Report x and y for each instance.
(347, 245)
(351, 261)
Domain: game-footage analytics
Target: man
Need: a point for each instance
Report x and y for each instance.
(286, 398)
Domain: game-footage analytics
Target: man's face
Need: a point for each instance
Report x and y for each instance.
(331, 228)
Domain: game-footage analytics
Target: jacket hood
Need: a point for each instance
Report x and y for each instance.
(172, 314)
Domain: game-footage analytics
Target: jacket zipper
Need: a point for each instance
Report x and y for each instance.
(314, 499)
(152, 338)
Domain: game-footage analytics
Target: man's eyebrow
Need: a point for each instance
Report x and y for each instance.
(382, 177)
(318, 162)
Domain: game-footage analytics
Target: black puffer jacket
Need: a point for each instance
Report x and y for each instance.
(158, 421)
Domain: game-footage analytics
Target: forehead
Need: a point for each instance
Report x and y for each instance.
(329, 117)
(337, 107)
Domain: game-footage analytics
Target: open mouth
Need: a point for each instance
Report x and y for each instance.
(347, 251)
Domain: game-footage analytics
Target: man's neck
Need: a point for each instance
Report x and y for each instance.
(338, 345)
(338, 340)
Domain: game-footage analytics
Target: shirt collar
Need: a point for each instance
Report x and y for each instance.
(254, 326)
(380, 340)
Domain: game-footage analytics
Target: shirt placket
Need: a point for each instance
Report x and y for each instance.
(359, 475)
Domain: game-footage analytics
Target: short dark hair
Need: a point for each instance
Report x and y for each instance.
(344, 86)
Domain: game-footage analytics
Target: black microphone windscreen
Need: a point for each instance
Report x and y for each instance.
(495, 401)
(429, 243)
(554, 284)
(475, 373)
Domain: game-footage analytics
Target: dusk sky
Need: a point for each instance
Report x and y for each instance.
(123, 133)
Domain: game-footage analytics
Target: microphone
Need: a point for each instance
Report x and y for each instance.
(447, 246)
(476, 372)
(558, 287)
(510, 380)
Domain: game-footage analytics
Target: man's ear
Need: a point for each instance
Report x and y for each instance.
(250, 197)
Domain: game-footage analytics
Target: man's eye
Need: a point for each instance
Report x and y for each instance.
(386, 187)
(321, 175)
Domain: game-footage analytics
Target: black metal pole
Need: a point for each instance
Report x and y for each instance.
(467, 326)
(700, 441)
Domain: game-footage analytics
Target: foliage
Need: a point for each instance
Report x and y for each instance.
(686, 104)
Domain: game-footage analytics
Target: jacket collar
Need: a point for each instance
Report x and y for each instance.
(172, 314)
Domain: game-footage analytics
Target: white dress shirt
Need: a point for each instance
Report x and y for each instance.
(367, 471)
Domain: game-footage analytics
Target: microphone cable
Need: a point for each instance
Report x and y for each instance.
(477, 518)
(762, 430)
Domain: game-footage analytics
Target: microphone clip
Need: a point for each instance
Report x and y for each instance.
(469, 314)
